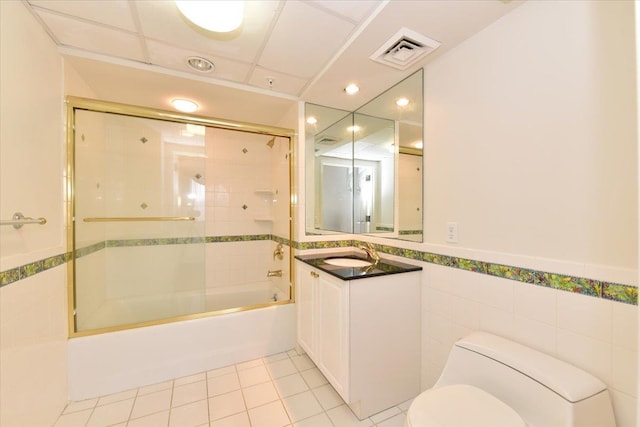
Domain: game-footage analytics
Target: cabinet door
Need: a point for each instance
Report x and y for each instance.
(333, 332)
(306, 282)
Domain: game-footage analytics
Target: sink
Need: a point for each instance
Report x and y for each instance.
(347, 262)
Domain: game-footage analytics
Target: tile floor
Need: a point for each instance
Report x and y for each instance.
(281, 390)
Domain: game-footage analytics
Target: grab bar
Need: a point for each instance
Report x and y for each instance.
(18, 220)
(138, 218)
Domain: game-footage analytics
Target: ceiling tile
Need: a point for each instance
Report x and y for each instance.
(92, 37)
(354, 10)
(161, 20)
(303, 40)
(291, 40)
(176, 59)
(281, 82)
(115, 13)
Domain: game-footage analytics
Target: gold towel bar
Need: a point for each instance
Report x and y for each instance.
(138, 218)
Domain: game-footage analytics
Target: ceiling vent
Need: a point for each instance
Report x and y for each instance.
(404, 49)
(326, 140)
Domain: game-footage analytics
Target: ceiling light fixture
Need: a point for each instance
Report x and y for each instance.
(352, 89)
(184, 105)
(354, 128)
(220, 16)
(312, 120)
(202, 65)
(402, 102)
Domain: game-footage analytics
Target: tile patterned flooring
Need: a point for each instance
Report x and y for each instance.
(282, 390)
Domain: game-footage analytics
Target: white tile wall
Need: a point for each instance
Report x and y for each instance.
(597, 335)
(236, 178)
(33, 358)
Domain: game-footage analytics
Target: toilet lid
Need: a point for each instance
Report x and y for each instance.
(460, 405)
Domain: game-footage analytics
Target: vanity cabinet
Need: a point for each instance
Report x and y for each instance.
(362, 334)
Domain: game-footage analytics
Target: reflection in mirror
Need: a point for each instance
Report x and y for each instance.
(364, 169)
(328, 159)
(402, 104)
(374, 165)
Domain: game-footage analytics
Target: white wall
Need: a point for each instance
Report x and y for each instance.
(33, 312)
(530, 135)
(531, 147)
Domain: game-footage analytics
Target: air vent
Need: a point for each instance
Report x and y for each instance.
(326, 140)
(404, 49)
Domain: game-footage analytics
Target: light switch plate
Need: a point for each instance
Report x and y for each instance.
(452, 232)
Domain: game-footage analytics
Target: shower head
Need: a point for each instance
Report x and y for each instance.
(271, 142)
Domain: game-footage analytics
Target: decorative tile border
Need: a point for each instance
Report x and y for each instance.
(329, 244)
(611, 291)
(87, 250)
(409, 232)
(580, 285)
(22, 272)
(154, 242)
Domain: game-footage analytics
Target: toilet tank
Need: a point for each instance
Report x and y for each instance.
(545, 391)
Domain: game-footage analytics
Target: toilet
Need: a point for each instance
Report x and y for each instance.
(489, 381)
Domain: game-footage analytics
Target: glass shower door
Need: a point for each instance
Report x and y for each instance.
(138, 220)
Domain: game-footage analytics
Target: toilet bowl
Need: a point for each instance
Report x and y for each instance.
(461, 405)
(489, 381)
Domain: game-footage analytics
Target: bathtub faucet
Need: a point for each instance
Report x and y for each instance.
(274, 273)
(279, 252)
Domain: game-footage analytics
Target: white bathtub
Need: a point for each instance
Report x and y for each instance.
(243, 296)
(132, 310)
(116, 361)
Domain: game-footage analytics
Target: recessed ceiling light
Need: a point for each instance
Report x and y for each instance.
(184, 105)
(354, 128)
(352, 89)
(402, 102)
(220, 16)
(200, 64)
(312, 120)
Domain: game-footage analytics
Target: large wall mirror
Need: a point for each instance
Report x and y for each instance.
(364, 168)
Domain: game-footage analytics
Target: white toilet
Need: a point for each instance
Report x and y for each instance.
(490, 381)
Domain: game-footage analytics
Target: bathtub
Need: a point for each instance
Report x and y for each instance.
(116, 361)
(243, 296)
(132, 310)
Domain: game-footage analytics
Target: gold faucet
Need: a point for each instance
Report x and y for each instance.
(278, 252)
(274, 273)
(370, 250)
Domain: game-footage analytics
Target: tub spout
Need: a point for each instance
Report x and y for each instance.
(274, 273)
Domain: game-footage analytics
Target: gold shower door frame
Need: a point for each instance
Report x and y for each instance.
(76, 103)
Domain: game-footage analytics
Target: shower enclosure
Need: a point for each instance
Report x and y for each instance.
(173, 217)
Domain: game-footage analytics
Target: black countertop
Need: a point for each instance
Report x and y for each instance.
(382, 268)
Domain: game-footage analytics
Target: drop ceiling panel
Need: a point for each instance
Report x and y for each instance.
(449, 22)
(115, 13)
(304, 40)
(162, 21)
(291, 40)
(281, 82)
(93, 38)
(354, 10)
(176, 59)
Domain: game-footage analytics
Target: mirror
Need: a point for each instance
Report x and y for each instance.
(364, 168)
